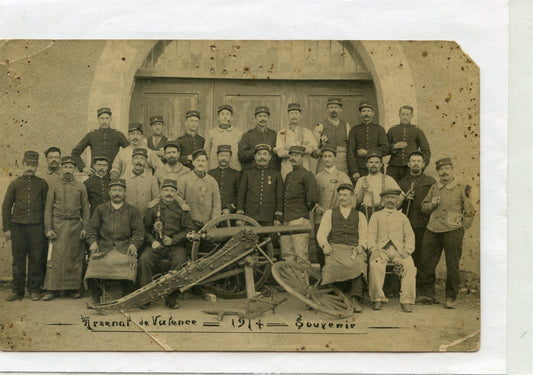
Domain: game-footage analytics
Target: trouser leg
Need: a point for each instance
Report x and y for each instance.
(453, 249)
(376, 278)
(408, 283)
(177, 256)
(319, 252)
(429, 258)
(356, 288)
(94, 288)
(149, 258)
(301, 247)
(419, 237)
(127, 287)
(19, 249)
(35, 241)
(287, 250)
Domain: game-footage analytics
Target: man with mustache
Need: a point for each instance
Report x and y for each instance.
(260, 193)
(166, 227)
(365, 138)
(191, 140)
(224, 134)
(22, 220)
(53, 160)
(333, 133)
(102, 141)
(294, 135)
(157, 140)
(227, 178)
(66, 217)
(142, 189)
(115, 235)
(122, 162)
(404, 139)
(98, 184)
(173, 169)
(450, 205)
(261, 134)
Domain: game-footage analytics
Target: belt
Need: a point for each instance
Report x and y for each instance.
(67, 217)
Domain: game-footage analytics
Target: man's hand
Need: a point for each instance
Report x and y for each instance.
(356, 176)
(410, 195)
(132, 251)
(94, 247)
(83, 234)
(362, 152)
(189, 158)
(323, 139)
(403, 254)
(95, 251)
(7, 235)
(167, 241)
(318, 210)
(88, 170)
(156, 245)
(400, 145)
(51, 234)
(113, 175)
(326, 249)
(185, 207)
(225, 211)
(435, 201)
(359, 249)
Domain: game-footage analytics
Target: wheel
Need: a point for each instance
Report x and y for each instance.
(304, 283)
(229, 283)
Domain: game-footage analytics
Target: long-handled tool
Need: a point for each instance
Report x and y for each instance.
(411, 190)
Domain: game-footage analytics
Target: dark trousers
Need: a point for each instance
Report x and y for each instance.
(150, 258)
(353, 287)
(432, 246)
(419, 237)
(27, 241)
(319, 252)
(397, 172)
(95, 287)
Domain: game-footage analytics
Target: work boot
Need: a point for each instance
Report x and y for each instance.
(406, 307)
(14, 296)
(50, 296)
(171, 302)
(378, 305)
(35, 296)
(450, 303)
(356, 301)
(145, 306)
(75, 294)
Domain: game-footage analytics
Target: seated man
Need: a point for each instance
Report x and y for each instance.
(166, 226)
(342, 236)
(391, 239)
(115, 234)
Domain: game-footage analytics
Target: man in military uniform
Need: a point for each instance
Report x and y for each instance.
(166, 230)
(228, 180)
(299, 198)
(224, 134)
(333, 132)
(98, 184)
(53, 161)
(102, 141)
(142, 189)
(191, 140)
(404, 139)
(22, 219)
(260, 194)
(157, 140)
(294, 135)
(365, 138)
(261, 134)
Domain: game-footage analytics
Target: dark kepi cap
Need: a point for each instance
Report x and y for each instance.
(52, 149)
(366, 105)
(194, 113)
(118, 182)
(140, 151)
(156, 119)
(133, 126)
(345, 187)
(67, 159)
(167, 182)
(390, 192)
(328, 148)
(172, 144)
(294, 107)
(101, 157)
(222, 148)
(441, 162)
(198, 153)
(262, 146)
(262, 109)
(297, 150)
(337, 101)
(416, 152)
(374, 154)
(103, 110)
(223, 107)
(31, 157)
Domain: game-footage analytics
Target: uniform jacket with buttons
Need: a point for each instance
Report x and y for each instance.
(188, 144)
(300, 194)
(228, 180)
(416, 141)
(105, 142)
(371, 137)
(421, 185)
(24, 201)
(97, 190)
(247, 145)
(176, 223)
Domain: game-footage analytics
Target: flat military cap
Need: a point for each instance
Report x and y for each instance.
(222, 148)
(294, 107)
(52, 149)
(140, 151)
(297, 150)
(390, 192)
(262, 109)
(67, 160)
(194, 113)
(167, 182)
(441, 162)
(156, 119)
(366, 105)
(172, 144)
(374, 154)
(263, 146)
(31, 157)
(101, 157)
(345, 187)
(118, 182)
(337, 101)
(225, 107)
(330, 149)
(197, 153)
(103, 110)
(135, 126)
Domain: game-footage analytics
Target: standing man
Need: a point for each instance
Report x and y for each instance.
(102, 141)
(294, 135)
(98, 184)
(22, 219)
(173, 169)
(363, 139)
(228, 180)
(200, 191)
(123, 160)
(142, 190)
(404, 139)
(66, 217)
(53, 160)
(224, 134)
(416, 186)
(391, 239)
(299, 198)
(157, 140)
(333, 132)
(260, 193)
(342, 236)
(191, 140)
(451, 209)
(261, 134)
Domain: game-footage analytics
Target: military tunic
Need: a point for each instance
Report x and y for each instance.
(202, 195)
(123, 161)
(188, 144)
(102, 142)
(51, 176)
(371, 137)
(97, 190)
(159, 146)
(142, 190)
(247, 145)
(416, 141)
(228, 180)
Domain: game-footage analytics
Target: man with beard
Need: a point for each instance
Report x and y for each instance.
(416, 186)
(115, 235)
(260, 193)
(53, 160)
(102, 141)
(333, 133)
(228, 180)
(404, 139)
(191, 140)
(22, 219)
(173, 169)
(365, 138)
(122, 162)
(450, 205)
(224, 134)
(142, 189)
(66, 217)
(294, 135)
(261, 134)
(166, 230)
(391, 239)
(157, 140)
(98, 184)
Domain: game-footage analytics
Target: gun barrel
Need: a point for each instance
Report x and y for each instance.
(218, 234)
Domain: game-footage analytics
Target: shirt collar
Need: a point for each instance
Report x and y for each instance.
(257, 128)
(190, 134)
(228, 129)
(450, 185)
(331, 169)
(334, 122)
(133, 175)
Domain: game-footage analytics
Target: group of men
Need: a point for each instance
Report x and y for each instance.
(144, 195)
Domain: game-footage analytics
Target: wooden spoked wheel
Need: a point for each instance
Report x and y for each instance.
(302, 282)
(230, 282)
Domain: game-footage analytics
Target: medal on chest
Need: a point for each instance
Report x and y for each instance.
(333, 180)
(158, 225)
